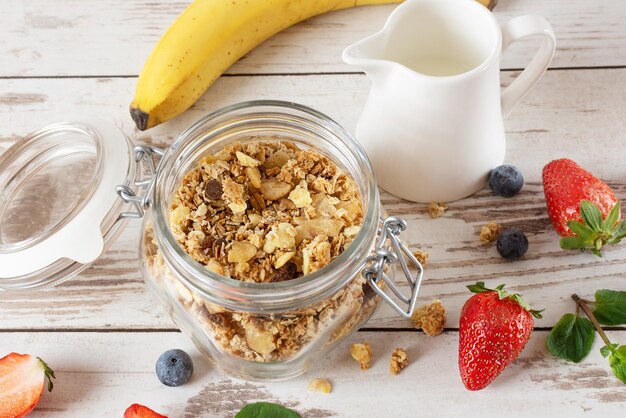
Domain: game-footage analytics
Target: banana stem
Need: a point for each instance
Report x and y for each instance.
(583, 305)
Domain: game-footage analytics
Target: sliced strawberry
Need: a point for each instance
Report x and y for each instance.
(583, 209)
(22, 379)
(139, 411)
(493, 329)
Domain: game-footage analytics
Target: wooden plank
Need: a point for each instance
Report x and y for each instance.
(100, 374)
(581, 124)
(115, 37)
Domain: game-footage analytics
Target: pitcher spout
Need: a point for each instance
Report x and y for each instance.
(367, 54)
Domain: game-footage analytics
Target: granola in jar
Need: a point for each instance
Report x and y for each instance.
(265, 212)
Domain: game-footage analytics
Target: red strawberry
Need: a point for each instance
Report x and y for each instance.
(139, 411)
(582, 207)
(22, 379)
(493, 330)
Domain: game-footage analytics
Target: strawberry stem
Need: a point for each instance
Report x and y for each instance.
(583, 305)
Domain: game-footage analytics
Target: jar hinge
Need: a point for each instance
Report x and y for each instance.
(389, 250)
(148, 158)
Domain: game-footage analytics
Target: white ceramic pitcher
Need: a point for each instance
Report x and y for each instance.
(432, 124)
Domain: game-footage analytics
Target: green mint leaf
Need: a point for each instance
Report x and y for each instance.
(591, 215)
(611, 219)
(266, 410)
(571, 338)
(573, 243)
(607, 349)
(617, 361)
(580, 229)
(610, 307)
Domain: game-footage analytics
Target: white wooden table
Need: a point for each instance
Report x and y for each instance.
(102, 331)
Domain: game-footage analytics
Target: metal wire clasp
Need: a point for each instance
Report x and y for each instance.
(150, 156)
(389, 250)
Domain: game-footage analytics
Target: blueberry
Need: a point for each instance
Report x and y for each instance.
(506, 180)
(174, 367)
(512, 243)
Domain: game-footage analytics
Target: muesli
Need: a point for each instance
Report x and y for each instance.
(267, 211)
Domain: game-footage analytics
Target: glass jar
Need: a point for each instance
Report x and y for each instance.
(262, 330)
(257, 331)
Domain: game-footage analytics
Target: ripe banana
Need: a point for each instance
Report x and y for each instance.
(206, 39)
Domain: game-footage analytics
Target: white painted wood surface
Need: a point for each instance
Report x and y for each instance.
(100, 374)
(103, 331)
(114, 37)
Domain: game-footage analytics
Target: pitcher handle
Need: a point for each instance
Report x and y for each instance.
(519, 28)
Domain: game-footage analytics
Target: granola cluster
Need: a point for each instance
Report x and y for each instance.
(362, 352)
(436, 210)
(320, 385)
(489, 233)
(266, 212)
(430, 318)
(399, 360)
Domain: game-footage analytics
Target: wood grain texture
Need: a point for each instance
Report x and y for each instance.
(122, 373)
(115, 37)
(549, 124)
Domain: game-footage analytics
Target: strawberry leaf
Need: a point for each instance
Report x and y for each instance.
(618, 233)
(48, 372)
(571, 338)
(479, 287)
(611, 219)
(573, 243)
(580, 229)
(591, 215)
(593, 232)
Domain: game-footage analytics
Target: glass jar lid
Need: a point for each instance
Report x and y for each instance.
(58, 202)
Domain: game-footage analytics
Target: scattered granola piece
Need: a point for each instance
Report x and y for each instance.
(436, 209)
(320, 385)
(362, 353)
(422, 256)
(430, 318)
(399, 360)
(490, 232)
